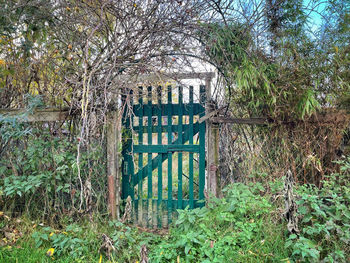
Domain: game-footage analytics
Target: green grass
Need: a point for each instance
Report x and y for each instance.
(24, 249)
(27, 253)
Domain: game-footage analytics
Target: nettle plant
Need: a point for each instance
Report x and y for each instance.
(325, 223)
(39, 170)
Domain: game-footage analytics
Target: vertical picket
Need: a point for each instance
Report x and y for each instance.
(191, 153)
(149, 137)
(202, 145)
(180, 128)
(140, 198)
(160, 174)
(170, 166)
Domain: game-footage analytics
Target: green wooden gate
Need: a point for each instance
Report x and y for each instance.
(155, 132)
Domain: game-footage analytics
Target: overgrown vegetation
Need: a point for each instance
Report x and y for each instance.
(232, 228)
(325, 218)
(39, 175)
(245, 226)
(291, 69)
(285, 61)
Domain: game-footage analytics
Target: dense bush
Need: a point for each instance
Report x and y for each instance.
(38, 172)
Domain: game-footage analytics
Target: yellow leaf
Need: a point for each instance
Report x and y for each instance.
(2, 63)
(51, 234)
(1, 213)
(50, 252)
(100, 261)
(178, 259)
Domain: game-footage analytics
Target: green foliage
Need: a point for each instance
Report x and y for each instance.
(26, 252)
(307, 103)
(303, 248)
(231, 228)
(325, 224)
(81, 242)
(128, 241)
(241, 227)
(10, 128)
(230, 48)
(42, 168)
(40, 172)
(292, 70)
(67, 242)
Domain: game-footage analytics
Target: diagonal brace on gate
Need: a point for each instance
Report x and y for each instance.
(163, 157)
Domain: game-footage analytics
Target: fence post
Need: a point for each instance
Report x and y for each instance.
(112, 134)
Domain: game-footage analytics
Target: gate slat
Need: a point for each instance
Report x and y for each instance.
(197, 108)
(164, 128)
(170, 155)
(202, 98)
(140, 141)
(149, 135)
(165, 149)
(179, 191)
(160, 159)
(191, 154)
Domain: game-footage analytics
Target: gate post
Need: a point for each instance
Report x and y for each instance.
(212, 184)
